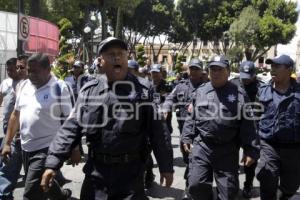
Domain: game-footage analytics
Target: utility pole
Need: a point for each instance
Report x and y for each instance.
(20, 42)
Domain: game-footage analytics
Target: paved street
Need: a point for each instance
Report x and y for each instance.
(75, 175)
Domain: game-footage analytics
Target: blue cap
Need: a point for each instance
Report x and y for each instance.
(104, 44)
(133, 64)
(219, 60)
(155, 68)
(143, 70)
(247, 70)
(195, 62)
(78, 63)
(281, 60)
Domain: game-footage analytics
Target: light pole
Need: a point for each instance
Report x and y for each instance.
(91, 28)
(19, 42)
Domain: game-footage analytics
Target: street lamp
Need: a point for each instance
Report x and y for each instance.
(91, 28)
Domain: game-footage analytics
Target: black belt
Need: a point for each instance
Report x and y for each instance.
(115, 159)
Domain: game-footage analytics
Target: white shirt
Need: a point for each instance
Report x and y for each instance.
(7, 89)
(40, 112)
(6, 86)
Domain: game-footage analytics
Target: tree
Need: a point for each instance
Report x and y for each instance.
(208, 20)
(77, 12)
(263, 25)
(158, 24)
(151, 21)
(35, 8)
(140, 55)
(235, 55)
(9, 5)
(178, 66)
(65, 50)
(179, 33)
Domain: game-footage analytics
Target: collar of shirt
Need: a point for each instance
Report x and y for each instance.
(51, 81)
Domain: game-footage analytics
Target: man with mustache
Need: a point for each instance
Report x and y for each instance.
(180, 98)
(36, 114)
(116, 114)
(221, 122)
(279, 131)
(248, 81)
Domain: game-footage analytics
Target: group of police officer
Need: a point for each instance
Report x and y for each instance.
(123, 121)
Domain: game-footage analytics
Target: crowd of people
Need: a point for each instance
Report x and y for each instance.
(125, 111)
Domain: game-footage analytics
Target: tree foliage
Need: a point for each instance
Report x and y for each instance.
(263, 25)
(140, 55)
(65, 50)
(179, 63)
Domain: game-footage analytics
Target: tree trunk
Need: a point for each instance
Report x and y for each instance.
(102, 9)
(35, 8)
(119, 25)
(248, 54)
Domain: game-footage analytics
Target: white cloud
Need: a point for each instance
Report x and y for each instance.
(291, 48)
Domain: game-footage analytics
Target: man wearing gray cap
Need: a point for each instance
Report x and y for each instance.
(115, 113)
(250, 84)
(279, 131)
(180, 98)
(133, 67)
(212, 135)
(161, 89)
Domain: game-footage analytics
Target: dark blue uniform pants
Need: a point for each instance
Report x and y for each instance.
(278, 163)
(218, 161)
(113, 181)
(185, 155)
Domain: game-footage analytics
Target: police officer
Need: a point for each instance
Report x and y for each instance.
(279, 132)
(181, 97)
(248, 81)
(117, 116)
(214, 131)
(133, 67)
(183, 92)
(161, 89)
(78, 77)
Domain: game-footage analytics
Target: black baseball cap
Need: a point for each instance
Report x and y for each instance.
(155, 68)
(247, 70)
(195, 62)
(104, 44)
(220, 61)
(78, 63)
(281, 60)
(133, 64)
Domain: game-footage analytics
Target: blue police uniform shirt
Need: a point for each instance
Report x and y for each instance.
(280, 121)
(278, 97)
(228, 95)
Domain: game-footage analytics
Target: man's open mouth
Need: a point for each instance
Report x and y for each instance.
(117, 68)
